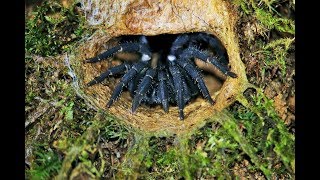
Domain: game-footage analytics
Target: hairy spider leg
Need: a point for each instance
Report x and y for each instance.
(190, 89)
(136, 68)
(214, 43)
(163, 91)
(133, 84)
(186, 90)
(178, 43)
(125, 47)
(110, 72)
(171, 88)
(192, 52)
(143, 88)
(176, 75)
(195, 75)
(152, 96)
(177, 47)
(175, 50)
(194, 90)
(155, 95)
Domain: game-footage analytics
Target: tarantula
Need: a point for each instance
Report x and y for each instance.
(173, 77)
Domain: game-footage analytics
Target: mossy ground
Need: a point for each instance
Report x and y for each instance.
(253, 138)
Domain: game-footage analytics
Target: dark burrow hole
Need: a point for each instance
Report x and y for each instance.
(162, 43)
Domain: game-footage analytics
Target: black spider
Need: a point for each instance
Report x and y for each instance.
(174, 79)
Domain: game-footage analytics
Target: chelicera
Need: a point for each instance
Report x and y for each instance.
(164, 75)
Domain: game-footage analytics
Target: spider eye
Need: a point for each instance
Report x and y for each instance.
(145, 57)
(171, 57)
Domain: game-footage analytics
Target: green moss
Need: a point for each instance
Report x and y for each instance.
(272, 22)
(80, 150)
(247, 147)
(153, 158)
(267, 15)
(265, 20)
(135, 159)
(46, 164)
(253, 132)
(268, 133)
(167, 159)
(115, 131)
(67, 110)
(77, 149)
(69, 124)
(275, 53)
(215, 154)
(52, 29)
(279, 138)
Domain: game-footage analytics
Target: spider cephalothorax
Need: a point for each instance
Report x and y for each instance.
(169, 77)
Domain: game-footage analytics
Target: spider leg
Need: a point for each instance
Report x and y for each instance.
(125, 47)
(185, 85)
(136, 68)
(194, 90)
(177, 47)
(163, 91)
(195, 74)
(186, 90)
(110, 72)
(143, 88)
(194, 52)
(176, 75)
(155, 98)
(170, 85)
(148, 98)
(178, 44)
(133, 84)
(214, 43)
(152, 96)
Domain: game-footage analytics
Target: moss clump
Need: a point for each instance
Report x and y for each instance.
(275, 54)
(270, 25)
(272, 22)
(279, 139)
(83, 154)
(46, 163)
(52, 28)
(267, 14)
(214, 154)
(266, 131)
(252, 136)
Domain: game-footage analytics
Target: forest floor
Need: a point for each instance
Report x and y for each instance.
(66, 138)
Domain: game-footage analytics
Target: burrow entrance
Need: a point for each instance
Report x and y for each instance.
(217, 19)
